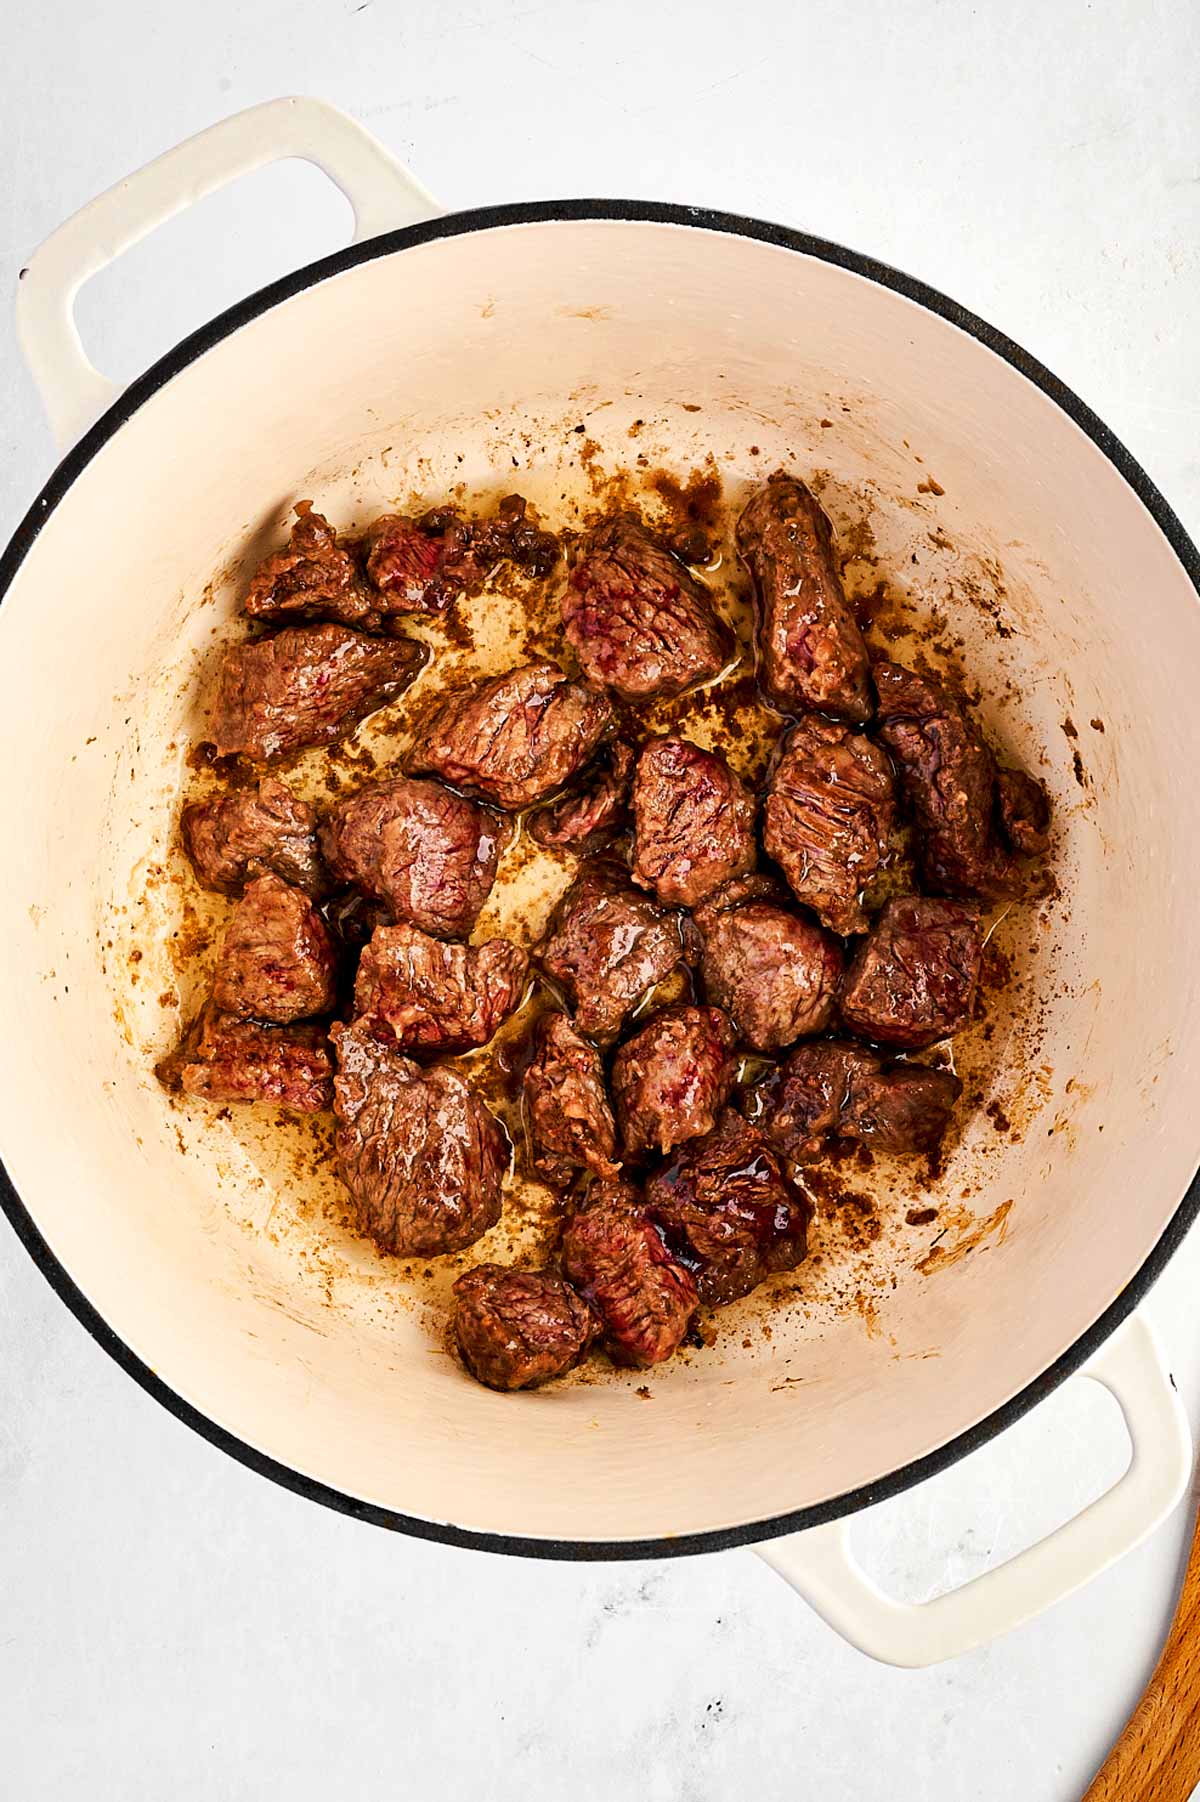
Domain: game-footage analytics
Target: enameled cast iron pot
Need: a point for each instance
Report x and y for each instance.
(441, 346)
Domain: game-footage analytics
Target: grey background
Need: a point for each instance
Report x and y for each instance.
(171, 1626)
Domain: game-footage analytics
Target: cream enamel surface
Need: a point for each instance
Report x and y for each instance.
(456, 349)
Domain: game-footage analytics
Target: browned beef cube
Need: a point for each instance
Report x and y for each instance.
(617, 1191)
(422, 565)
(832, 1089)
(914, 978)
(566, 1108)
(430, 856)
(607, 947)
(811, 653)
(638, 622)
(405, 566)
(774, 973)
(1024, 811)
(518, 1328)
(314, 577)
(277, 959)
(693, 822)
(618, 1262)
(307, 685)
(830, 809)
(948, 776)
(727, 1210)
(514, 738)
(587, 817)
(431, 997)
(250, 832)
(672, 1080)
(226, 1059)
(422, 1157)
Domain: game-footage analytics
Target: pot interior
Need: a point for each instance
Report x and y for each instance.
(977, 511)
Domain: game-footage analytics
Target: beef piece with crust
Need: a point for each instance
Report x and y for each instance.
(774, 972)
(728, 1211)
(421, 1156)
(913, 980)
(645, 1299)
(567, 1112)
(829, 813)
(434, 998)
(226, 1059)
(429, 855)
(672, 1079)
(315, 576)
(422, 565)
(811, 654)
(277, 961)
(949, 780)
(514, 738)
(588, 816)
(638, 622)
(1024, 808)
(250, 832)
(304, 686)
(607, 946)
(693, 822)
(830, 1088)
(516, 1329)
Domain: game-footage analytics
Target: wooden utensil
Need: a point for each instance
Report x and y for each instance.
(1157, 1758)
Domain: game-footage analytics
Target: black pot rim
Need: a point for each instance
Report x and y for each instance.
(650, 212)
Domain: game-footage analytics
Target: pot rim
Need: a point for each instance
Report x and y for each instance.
(638, 212)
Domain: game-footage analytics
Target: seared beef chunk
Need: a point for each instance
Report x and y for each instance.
(430, 997)
(693, 822)
(586, 818)
(566, 1108)
(277, 958)
(422, 565)
(250, 832)
(913, 979)
(307, 685)
(612, 1192)
(1024, 811)
(314, 578)
(513, 739)
(728, 1212)
(829, 812)
(810, 651)
(430, 856)
(226, 1059)
(832, 1089)
(637, 621)
(422, 1157)
(618, 1262)
(607, 946)
(948, 776)
(518, 1328)
(773, 972)
(672, 1080)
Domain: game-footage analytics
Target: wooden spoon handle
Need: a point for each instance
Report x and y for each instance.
(1157, 1758)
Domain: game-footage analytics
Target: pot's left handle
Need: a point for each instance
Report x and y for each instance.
(379, 188)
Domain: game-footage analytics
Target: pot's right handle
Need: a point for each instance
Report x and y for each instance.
(822, 1567)
(379, 188)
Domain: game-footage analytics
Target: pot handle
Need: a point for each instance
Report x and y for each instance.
(822, 1567)
(379, 188)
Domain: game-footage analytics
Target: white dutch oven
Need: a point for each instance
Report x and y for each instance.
(438, 347)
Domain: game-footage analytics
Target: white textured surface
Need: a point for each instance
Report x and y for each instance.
(171, 1625)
